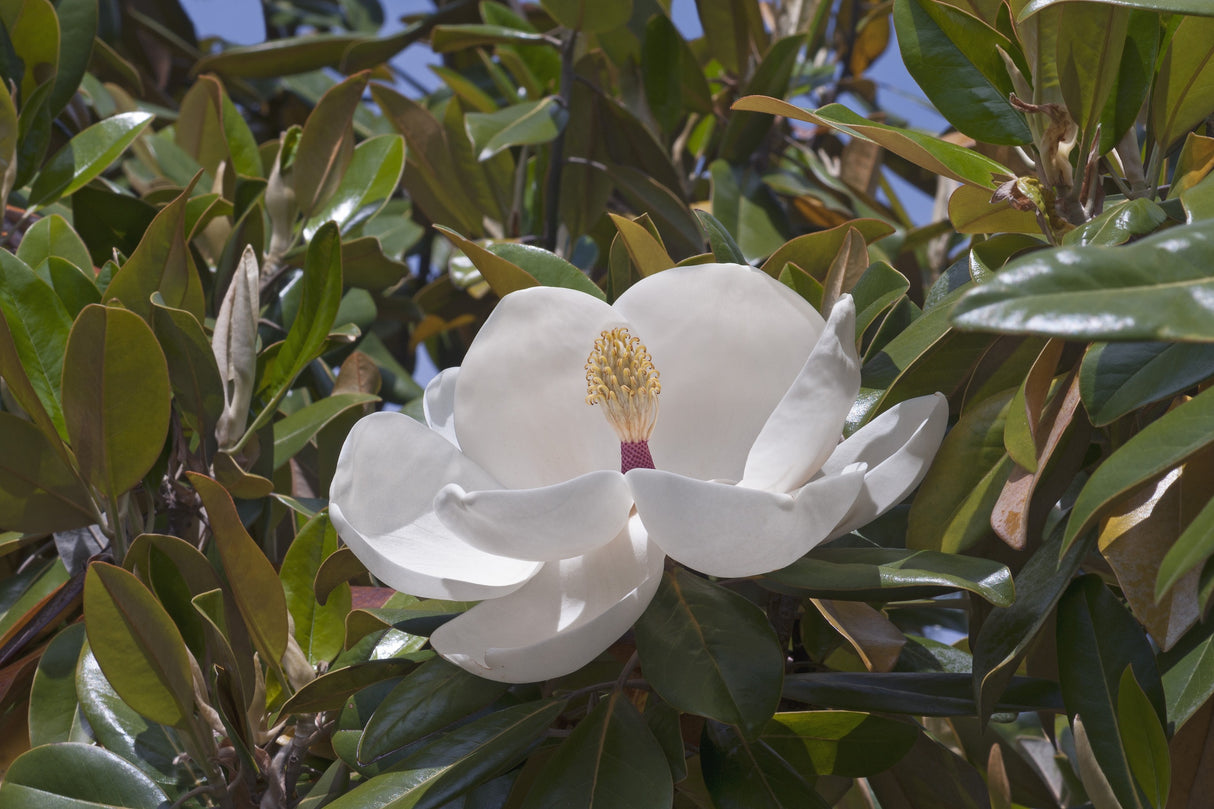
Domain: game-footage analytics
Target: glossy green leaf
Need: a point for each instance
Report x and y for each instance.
(610, 761)
(879, 288)
(710, 652)
(1161, 445)
(435, 695)
(137, 646)
(445, 38)
(319, 629)
(329, 691)
(1119, 223)
(954, 60)
(915, 693)
(1097, 640)
(431, 776)
(85, 156)
(1183, 94)
(1143, 739)
(53, 236)
(369, 180)
(1188, 674)
(54, 710)
(34, 326)
(1007, 633)
(548, 268)
(324, 148)
(502, 275)
(588, 15)
(952, 512)
(161, 262)
(33, 33)
(115, 397)
(1190, 550)
(933, 154)
(39, 493)
(1154, 289)
(1118, 378)
(77, 776)
(887, 574)
(1164, 6)
(77, 31)
(254, 584)
(292, 433)
(740, 774)
(843, 743)
(528, 123)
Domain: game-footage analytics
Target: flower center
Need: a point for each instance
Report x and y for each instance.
(620, 376)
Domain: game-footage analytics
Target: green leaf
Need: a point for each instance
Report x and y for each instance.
(77, 776)
(138, 646)
(845, 743)
(933, 154)
(954, 60)
(1161, 445)
(34, 326)
(39, 493)
(32, 31)
(1119, 223)
(1143, 739)
(457, 761)
(22, 593)
(162, 262)
(548, 268)
(610, 761)
(1188, 674)
(528, 123)
(1006, 634)
(324, 148)
(53, 236)
(893, 574)
(1163, 6)
(710, 652)
(1191, 549)
(1154, 289)
(446, 38)
(254, 584)
(1097, 640)
(1183, 94)
(435, 695)
(75, 287)
(1118, 378)
(86, 156)
(54, 709)
(329, 691)
(744, 132)
(720, 241)
(319, 301)
(77, 31)
(280, 57)
(589, 15)
(952, 512)
(879, 288)
(746, 207)
(320, 630)
(193, 373)
(1091, 39)
(115, 397)
(369, 180)
(9, 143)
(671, 74)
(741, 774)
(915, 693)
(292, 433)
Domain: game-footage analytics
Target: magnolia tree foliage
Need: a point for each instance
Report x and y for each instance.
(217, 260)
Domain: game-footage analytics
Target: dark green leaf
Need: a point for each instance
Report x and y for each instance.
(193, 373)
(77, 30)
(548, 268)
(1143, 739)
(77, 776)
(589, 15)
(1117, 378)
(722, 244)
(325, 145)
(528, 123)
(610, 761)
(915, 693)
(1188, 673)
(741, 774)
(369, 180)
(843, 743)
(39, 493)
(54, 711)
(710, 652)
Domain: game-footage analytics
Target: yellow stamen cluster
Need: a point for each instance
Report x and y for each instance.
(621, 377)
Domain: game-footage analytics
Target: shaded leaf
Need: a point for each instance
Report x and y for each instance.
(77, 776)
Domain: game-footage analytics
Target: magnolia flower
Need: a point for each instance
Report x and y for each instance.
(699, 417)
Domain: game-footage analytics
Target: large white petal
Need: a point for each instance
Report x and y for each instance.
(438, 404)
(806, 425)
(727, 341)
(381, 502)
(898, 447)
(560, 620)
(553, 522)
(520, 404)
(725, 530)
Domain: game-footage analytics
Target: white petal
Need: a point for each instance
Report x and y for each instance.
(806, 425)
(898, 447)
(438, 404)
(381, 502)
(520, 405)
(560, 620)
(728, 341)
(554, 522)
(725, 530)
